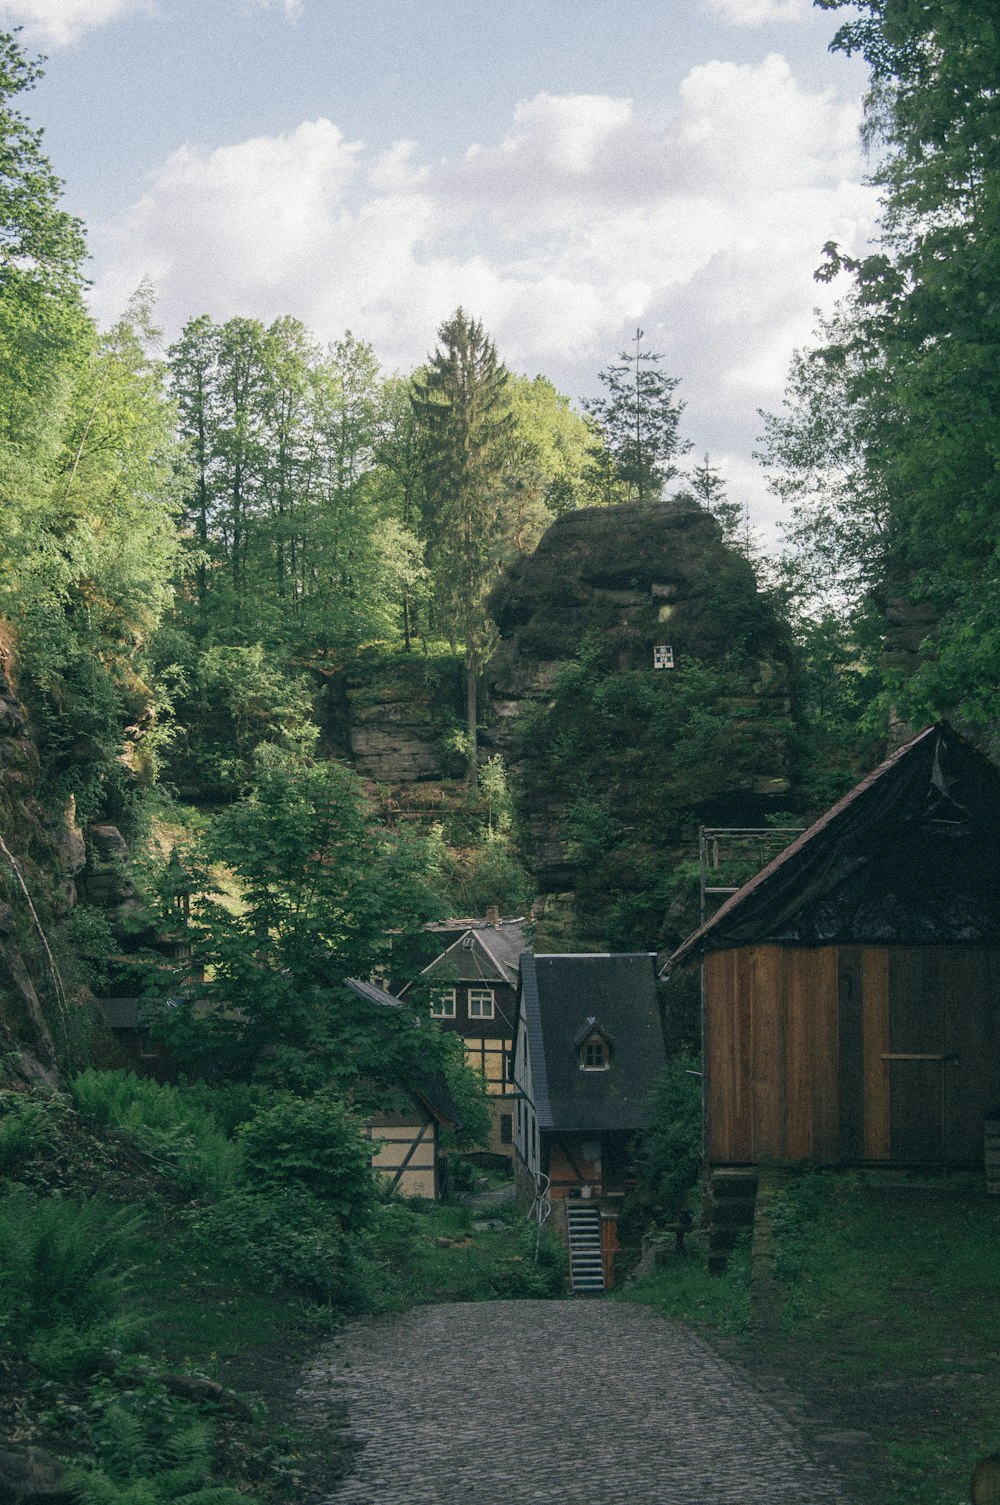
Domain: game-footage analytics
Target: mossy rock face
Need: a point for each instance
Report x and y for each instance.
(611, 757)
(613, 570)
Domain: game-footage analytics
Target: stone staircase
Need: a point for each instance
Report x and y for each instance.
(586, 1264)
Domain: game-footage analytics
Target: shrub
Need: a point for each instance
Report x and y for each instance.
(182, 1140)
(285, 1240)
(314, 1143)
(670, 1150)
(28, 1124)
(63, 1273)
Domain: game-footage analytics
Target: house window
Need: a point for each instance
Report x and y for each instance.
(443, 1004)
(506, 1128)
(595, 1053)
(481, 1004)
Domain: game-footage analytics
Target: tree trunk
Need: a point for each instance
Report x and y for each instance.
(472, 709)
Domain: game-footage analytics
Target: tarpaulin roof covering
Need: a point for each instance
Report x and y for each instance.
(563, 998)
(910, 857)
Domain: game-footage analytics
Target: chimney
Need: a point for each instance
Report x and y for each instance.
(492, 914)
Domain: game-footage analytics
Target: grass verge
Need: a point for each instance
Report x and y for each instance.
(889, 1325)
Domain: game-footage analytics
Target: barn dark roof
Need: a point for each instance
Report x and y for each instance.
(562, 995)
(910, 857)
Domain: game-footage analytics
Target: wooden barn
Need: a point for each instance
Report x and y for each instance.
(852, 988)
(588, 1046)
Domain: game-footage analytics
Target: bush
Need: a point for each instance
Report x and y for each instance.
(670, 1151)
(182, 1140)
(284, 1240)
(314, 1143)
(63, 1273)
(28, 1124)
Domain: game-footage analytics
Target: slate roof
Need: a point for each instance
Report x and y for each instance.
(910, 857)
(481, 952)
(560, 995)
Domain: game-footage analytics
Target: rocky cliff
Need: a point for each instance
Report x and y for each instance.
(615, 759)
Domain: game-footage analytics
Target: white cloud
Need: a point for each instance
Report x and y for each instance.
(57, 23)
(759, 12)
(586, 217)
(292, 8)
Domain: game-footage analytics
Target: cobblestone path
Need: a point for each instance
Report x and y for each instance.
(501, 1403)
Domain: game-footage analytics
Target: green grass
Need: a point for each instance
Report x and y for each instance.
(683, 1289)
(891, 1290)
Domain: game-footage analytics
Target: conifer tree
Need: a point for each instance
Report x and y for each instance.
(639, 423)
(462, 404)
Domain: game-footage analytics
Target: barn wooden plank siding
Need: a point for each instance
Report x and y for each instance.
(852, 989)
(802, 1064)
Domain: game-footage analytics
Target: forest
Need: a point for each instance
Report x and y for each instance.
(202, 543)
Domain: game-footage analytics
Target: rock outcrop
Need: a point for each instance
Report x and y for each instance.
(644, 587)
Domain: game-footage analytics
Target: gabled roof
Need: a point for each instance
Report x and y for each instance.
(562, 994)
(371, 993)
(910, 857)
(480, 952)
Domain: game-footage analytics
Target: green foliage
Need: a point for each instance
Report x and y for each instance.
(285, 1240)
(888, 446)
(148, 1448)
(181, 1139)
(638, 423)
(315, 1143)
(324, 893)
(28, 1124)
(670, 1150)
(624, 760)
(431, 1254)
(63, 1274)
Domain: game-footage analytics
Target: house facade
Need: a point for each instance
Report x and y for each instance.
(588, 1045)
(852, 988)
(472, 987)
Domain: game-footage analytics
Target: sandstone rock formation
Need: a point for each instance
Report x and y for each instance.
(646, 585)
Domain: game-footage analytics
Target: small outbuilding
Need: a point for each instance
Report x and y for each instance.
(404, 1134)
(588, 1045)
(852, 988)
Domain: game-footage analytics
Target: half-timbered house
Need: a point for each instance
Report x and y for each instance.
(852, 988)
(588, 1045)
(472, 986)
(405, 1135)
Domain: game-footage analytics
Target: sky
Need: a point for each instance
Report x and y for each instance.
(566, 170)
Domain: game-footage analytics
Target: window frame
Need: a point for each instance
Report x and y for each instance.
(439, 999)
(593, 1043)
(484, 994)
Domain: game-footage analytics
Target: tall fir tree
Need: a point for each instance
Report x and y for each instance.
(639, 427)
(461, 400)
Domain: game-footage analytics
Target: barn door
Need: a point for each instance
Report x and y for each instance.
(917, 1058)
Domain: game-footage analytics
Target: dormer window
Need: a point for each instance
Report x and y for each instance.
(595, 1054)
(594, 1045)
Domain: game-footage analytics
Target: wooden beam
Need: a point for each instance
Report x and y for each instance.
(875, 993)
